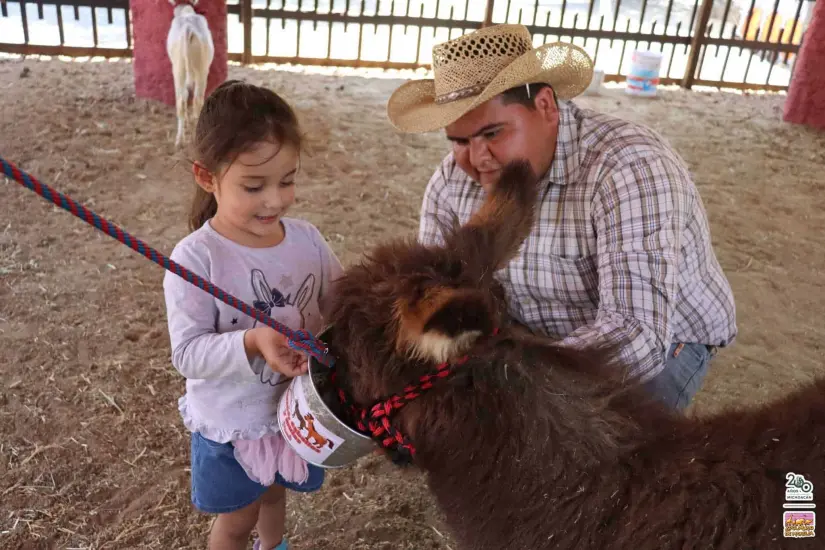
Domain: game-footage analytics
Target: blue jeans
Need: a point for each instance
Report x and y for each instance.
(685, 368)
(220, 484)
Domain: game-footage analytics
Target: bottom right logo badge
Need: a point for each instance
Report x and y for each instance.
(799, 524)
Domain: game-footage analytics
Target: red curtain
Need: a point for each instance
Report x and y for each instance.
(805, 103)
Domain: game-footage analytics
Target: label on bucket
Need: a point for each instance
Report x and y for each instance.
(311, 440)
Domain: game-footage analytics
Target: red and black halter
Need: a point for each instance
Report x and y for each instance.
(374, 421)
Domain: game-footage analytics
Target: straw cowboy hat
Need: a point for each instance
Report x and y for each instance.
(476, 67)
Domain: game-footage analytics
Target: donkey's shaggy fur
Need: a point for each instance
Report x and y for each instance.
(532, 446)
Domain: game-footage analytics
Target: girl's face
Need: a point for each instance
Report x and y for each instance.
(253, 193)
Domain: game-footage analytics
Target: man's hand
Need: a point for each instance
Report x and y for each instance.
(274, 348)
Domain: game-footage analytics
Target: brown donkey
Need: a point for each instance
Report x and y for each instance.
(528, 445)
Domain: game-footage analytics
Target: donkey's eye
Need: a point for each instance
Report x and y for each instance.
(417, 293)
(454, 268)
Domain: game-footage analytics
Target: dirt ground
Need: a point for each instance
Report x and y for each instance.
(92, 451)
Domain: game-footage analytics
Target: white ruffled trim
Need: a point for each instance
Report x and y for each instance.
(219, 435)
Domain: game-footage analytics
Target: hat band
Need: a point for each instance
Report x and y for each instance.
(460, 94)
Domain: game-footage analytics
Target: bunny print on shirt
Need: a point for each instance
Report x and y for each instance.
(288, 310)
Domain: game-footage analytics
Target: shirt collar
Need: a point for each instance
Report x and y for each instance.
(565, 167)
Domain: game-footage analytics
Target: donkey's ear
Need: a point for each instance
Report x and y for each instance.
(495, 231)
(445, 324)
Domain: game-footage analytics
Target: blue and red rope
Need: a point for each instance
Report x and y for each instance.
(300, 340)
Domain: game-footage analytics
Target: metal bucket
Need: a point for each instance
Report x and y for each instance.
(310, 427)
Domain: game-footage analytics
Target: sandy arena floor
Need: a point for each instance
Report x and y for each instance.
(92, 451)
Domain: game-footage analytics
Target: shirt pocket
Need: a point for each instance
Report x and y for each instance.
(564, 281)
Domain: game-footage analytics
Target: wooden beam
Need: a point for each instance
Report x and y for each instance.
(68, 51)
(452, 24)
(722, 84)
(330, 62)
(376, 20)
(246, 20)
(488, 13)
(696, 42)
(752, 45)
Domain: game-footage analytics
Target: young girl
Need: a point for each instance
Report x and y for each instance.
(247, 146)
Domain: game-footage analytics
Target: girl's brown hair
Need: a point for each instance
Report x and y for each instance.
(235, 116)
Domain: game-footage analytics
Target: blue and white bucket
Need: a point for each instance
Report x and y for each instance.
(643, 78)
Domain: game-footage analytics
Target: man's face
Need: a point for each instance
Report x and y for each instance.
(493, 134)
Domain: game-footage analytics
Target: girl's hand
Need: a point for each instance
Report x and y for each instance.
(273, 347)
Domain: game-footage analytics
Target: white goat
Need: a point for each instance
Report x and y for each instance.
(190, 49)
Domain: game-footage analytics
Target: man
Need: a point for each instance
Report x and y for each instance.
(621, 249)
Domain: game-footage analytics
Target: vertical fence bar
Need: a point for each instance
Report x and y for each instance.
(774, 55)
(727, 53)
(246, 20)
(692, 23)
(667, 19)
(420, 31)
(298, 25)
(25, 18)
(723, 27)
(60, 31)
(536, 16)
(673, 50)
(575, 24)
(615, 16)
(793, 29)
(360, 30)
(642, 21)
(329, 33)
(127, 21)
(392, 27)
(488, 13)
(94, 25)
(561, 16)
(696, 44)
(745, 35)
(624, 44)
(266, 50)
(587, 24)
(704, 51)
(598, 41)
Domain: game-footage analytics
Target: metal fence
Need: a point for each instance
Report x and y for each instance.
(723, 43)
(75, 28)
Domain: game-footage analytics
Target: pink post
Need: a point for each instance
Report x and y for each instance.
(805, 103)
(152, 69)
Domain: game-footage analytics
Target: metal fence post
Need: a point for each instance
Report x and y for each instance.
(696, 43)
(488, 13)
(246, 19)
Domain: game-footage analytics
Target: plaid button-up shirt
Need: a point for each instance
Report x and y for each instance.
(621, 247)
